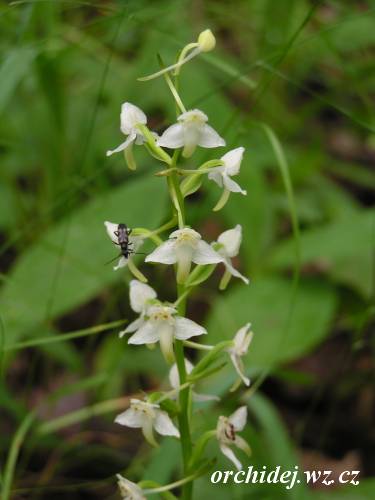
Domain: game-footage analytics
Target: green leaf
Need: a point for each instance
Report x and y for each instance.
(13, 69)
(266, 304)
(274, 436)
(343, 248)
(67, 266)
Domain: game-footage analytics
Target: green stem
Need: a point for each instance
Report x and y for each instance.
(184, 399)
(13, 454)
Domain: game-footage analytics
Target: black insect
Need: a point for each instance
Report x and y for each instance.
(122, 234)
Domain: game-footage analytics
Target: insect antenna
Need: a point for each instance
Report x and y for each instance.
(112, 260)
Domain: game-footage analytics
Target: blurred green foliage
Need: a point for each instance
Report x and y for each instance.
(304, 68)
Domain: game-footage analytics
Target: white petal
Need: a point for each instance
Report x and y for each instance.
(232, 160)
(130, 418)
(232, 457)
(242, 445)
(203, 398)
(173, 137)
(124, 145)
(165, 253)
(133, 326)
(217, 177)
(239, 369)
(232, 186)
(111, 228)
(231, 240)
(193, 115)
(205, 254)
(242, 340)
(238, 418)
(209, 138)
(174, 378)
(233, 271)
(129, 490)
(147, 334)
(121, 263)
(164, 425)
(130, 117)
(140, 293)
(186, 328)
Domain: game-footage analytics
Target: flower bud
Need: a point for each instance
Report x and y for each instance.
(206, 41)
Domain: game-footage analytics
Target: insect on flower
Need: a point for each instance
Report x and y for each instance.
(120, 236)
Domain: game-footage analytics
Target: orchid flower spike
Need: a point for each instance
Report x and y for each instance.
(174, 380)
(241, 343)
(226, 434)
(205, 43)
(148, 417)
(183, 247)
(190, 131)
(129, 490)
(228, 246)
(131, 116)
(157, 322)
(142, 296)
(134, 242)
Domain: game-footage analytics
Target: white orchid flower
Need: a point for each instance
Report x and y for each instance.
(226, 434)
(147, 416)
(229, 243)
(183, 247)
(223, 175)
(141, 298)
(240, 346)
(131, 116)
(162, 324)
(129, 490)
(190, 131)
(134, 243)
(205, 43)
(174, 379)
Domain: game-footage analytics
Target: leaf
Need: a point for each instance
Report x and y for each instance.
(67, 266)
(274, 437)
(266, 303)
(12, 70)
(345, 248)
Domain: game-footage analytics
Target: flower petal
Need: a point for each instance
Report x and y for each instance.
(216, 176)
(209, 138)
(164, 254)
(203, 398)
(130, 418)
(232, 457)
(130, 117)
(173, 137)
(129, 490)
(238, 418)
(131, 138)
(230, 185)
(186, 328)
(233, 271)
(232, 161)
(236, 360)
(242, 340)
(140, 293)
(164, 425)
(133, 326)
(174, 378)
(121, 263)
(147, 334)
(111, 228)
(205, 254)
(231, 240)
(242, 445)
